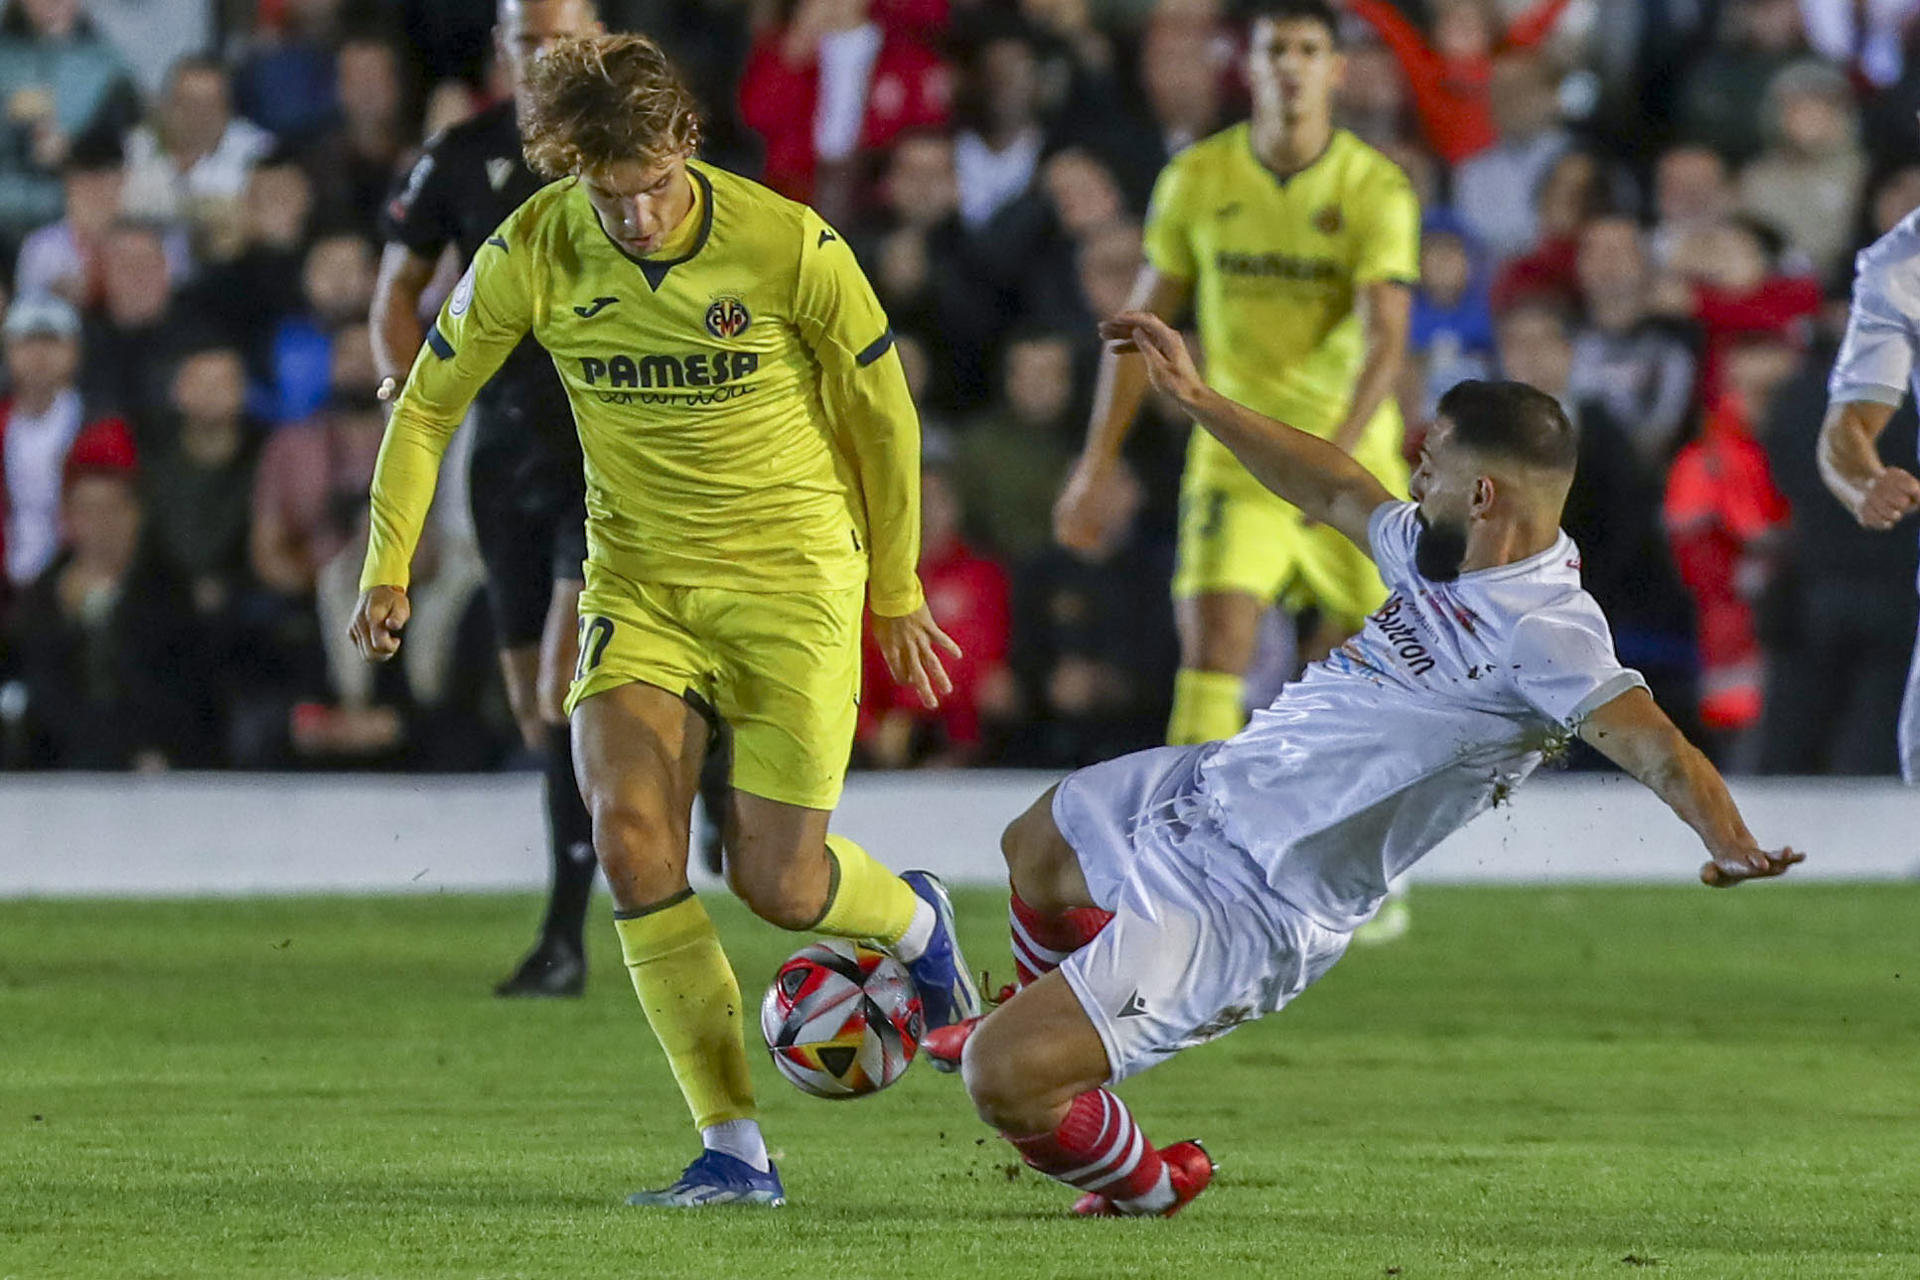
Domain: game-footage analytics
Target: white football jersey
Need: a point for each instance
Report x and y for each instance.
(1876, 361)
(1445, 700)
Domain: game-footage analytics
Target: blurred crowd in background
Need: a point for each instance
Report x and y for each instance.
(1646, 207)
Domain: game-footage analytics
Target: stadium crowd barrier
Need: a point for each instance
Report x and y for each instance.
(186, 835)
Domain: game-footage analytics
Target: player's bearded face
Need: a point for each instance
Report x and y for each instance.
(1441, 547)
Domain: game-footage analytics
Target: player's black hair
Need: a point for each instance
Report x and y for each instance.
(1511, 420)
(1319, 11)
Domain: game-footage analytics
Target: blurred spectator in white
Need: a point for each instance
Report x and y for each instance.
(336, 283)
(190, 166)
(831, 79)
(996, 153)
(132, 336)
(1640, 367)
(58, 80)
(1093, 650)
(1011, 460)
(1692, 192)
(1491, 190)
(43, 423)
(1869, 37)
(112, 664)
(64, 257)
(1722, 104)
(1808, 181)
(352, 163)
(285, 83)
(199, 485)
(312, 481)
(153, 37)
(1450, 335)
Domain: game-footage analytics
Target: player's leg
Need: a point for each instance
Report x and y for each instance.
(1035, 1072)
(1232, 556)
(789, 671)
(1050, 911)
(639, 750)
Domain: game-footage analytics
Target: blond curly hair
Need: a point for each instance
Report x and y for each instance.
(594, 101)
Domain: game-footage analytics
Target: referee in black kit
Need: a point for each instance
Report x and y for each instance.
(525, 482)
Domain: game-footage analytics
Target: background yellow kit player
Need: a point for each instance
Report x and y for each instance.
(1297, 245)
(752, 460)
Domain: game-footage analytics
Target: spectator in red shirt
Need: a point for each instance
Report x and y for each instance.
(1724, 517)
(1450, 75)
(970, 598)
(1729, 279)
(1577, 188)
(831, 80)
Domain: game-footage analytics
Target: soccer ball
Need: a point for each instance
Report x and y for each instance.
(841, 1020)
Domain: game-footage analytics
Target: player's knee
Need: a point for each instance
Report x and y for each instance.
(1035, 854)
(636, 844)
(776, 890)
(999, 1084)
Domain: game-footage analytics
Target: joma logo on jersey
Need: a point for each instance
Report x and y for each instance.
(1277, 266)
(728, 318)
(669, 371)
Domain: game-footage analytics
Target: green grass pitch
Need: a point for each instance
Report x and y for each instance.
(1535, 1082)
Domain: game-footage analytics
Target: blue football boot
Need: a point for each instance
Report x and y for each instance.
(947, 993)
(716, 1178)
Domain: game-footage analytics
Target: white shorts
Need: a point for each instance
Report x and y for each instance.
(1198, 943)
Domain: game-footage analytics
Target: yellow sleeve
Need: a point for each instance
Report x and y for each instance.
(1165, 239)
(865, 391)
(483, 319)
(1389, 224)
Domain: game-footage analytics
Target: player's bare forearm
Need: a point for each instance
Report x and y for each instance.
(1386, 316)
(394, 318)
(1879, 496)
(1635, 734)
(1121, 382)
(1315, 475)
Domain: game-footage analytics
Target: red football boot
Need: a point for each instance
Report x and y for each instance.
(943, 1046)
(1189, 1168)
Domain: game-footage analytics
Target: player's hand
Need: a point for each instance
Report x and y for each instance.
(1891, 498)
(911, 644)
(1169, 364)
(1740, 865)
(1078, 515)
(377, 621)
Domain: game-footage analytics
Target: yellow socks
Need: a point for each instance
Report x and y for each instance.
(864, 899)
(1207, 706)
(692, 1002)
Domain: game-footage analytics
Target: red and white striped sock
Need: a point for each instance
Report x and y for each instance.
(1099, 1148)
(1041, 942)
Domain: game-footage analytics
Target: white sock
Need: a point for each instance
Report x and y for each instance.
(919, 935)
(1158, 1200)
(740, 1139)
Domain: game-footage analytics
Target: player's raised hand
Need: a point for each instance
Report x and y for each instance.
(1740, 865)
(911, 644)
(1169, 364)
(1078, 514)
(377, 621)
(1891, 498)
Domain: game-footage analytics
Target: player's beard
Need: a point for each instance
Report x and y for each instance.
(1440, 549)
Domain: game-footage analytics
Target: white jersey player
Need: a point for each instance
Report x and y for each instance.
(1869, 381)
(1161, 899)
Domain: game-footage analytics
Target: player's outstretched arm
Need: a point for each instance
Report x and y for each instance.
(1879, 496)
(1633, 732)
(1313, 474)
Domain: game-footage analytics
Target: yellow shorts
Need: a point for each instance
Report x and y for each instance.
(1237, 536)
(782, 669)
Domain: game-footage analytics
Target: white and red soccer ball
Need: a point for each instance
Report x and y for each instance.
(841, 1020)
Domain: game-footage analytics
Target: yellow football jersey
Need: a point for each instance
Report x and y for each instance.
(1276, 263)
(744, 417)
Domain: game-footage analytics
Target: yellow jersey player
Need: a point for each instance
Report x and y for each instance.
(752, 467)
(1297, 245)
